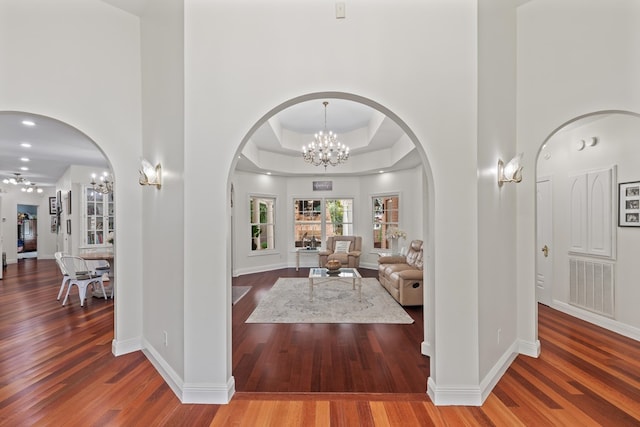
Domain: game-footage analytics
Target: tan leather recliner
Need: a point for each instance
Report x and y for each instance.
(349, 259)
(402, 276)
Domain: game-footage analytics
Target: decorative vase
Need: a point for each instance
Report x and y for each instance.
(394, 245)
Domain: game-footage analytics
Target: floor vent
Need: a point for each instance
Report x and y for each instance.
(591, 285)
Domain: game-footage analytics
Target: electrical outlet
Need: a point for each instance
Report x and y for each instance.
(165, 336)
(340, 10)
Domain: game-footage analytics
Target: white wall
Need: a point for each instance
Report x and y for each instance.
(78, 61)
(418, 59)
(617, 145)
(408, 184)
(163, 209)
(574, 57)
(496, 240)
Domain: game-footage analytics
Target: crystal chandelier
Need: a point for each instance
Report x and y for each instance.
(105, 186)
(325, 148)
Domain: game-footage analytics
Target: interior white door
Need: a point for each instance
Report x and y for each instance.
(544, 234)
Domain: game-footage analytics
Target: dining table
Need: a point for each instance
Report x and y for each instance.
(101, 255)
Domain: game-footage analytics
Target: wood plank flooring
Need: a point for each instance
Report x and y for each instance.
(56, 368)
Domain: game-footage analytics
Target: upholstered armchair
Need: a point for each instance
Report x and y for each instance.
(345, 249)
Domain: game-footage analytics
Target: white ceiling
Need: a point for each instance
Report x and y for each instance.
(54, 147)
(375, 141)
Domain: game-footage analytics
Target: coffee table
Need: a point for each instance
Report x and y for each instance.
(347, 275)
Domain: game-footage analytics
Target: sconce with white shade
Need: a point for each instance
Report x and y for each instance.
(511, 172)
(149, 174)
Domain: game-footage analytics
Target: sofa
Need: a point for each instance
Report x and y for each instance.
(402, 276)
(337, 249)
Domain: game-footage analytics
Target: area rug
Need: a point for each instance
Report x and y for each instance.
(238, 292)
(333, 302)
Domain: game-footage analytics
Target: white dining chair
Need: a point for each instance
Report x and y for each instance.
(65, 275)
(81, 276)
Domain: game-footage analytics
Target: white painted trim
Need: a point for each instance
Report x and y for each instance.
(604, 322)
(454, 395)
(118, 348)
(476, 395)
(425, 348)
(209, 393)
(528, 348)
(261, 268)
(493, 376)
(170, 376)
(196, 393)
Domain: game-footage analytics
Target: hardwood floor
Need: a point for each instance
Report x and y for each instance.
(309, 357)
(56, 368)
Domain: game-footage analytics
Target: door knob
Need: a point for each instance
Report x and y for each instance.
(545, 251)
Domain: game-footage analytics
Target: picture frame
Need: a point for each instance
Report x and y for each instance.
(53, 206)
(68, 226)
(69, 203)
(59, 202)
(629, 204)
(54, 222)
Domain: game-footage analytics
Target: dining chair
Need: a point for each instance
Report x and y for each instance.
(65, 275)
(81, 276)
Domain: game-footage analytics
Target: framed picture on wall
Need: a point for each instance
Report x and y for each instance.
(629, 204)
(68, 226)
(69, 203)
(54, 222)
(53, 208)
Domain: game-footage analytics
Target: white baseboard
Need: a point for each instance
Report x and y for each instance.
(458, 395)
(604, 322)
(473, 395)
(528, 348)
(198, 393)
(497, 371)
(425, 348)
(259, 269)
(118, 348)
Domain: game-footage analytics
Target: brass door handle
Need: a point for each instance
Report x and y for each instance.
(545, 251)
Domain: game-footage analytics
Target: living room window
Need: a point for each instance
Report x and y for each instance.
(317, 219)
(386, 214)
(338, 217)
(262, 217)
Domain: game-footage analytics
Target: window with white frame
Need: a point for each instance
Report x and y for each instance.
(386, 214)
(317, 219)
(99, 218)
(262, 219)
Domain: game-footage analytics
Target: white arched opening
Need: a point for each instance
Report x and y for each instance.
(427, 222)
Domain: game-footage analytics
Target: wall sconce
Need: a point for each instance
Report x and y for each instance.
(511, 172)
(149, 174)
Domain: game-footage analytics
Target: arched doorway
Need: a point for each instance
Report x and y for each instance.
(591, 276)
(425, 202)
(48, 164)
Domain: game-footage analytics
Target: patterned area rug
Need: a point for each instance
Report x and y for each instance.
(333, 302)
(238, 292)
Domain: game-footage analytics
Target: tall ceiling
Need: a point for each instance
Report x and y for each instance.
(52, 146)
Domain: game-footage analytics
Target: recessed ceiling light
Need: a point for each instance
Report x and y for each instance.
(24, 159)
(268, 173)
(28, 123)
(24, 168)
(380, 171)
(25, 145)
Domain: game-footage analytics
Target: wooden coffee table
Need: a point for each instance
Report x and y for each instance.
(347, 275)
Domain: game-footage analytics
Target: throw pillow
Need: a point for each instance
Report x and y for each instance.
(342, 246)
